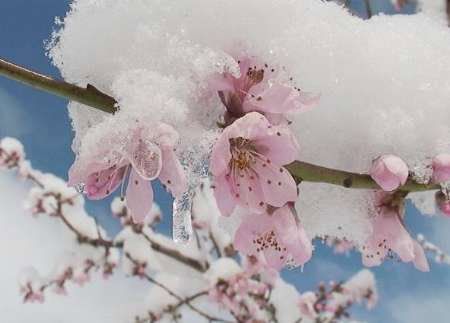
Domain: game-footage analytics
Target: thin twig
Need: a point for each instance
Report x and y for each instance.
(181, 300)
(368, 9)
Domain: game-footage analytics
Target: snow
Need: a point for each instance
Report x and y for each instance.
(384, 82)
(222, 269)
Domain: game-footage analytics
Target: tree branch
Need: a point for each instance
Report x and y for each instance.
(89, 96)
(92, 97)
(302, 171)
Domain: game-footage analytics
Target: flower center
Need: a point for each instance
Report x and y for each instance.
(241, 153)
(255, 76)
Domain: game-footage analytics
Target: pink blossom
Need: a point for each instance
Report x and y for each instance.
(343, 246)
(390, 236)
(307, 304)
(247, 165)
(390, 172)
(147, 155)
(233, 294)
(259, 88)
(277, 237)
(441, 168)
(80, 278)
(256, 265)
(443, 203)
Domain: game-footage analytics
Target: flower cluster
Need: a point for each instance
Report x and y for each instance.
(218, 289)
(389, 234)
(332, 304)
(148, 154)
(248, 159)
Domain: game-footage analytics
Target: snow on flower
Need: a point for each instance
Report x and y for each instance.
(277, 236)
(390, 172)
(258, 88)
(247, 165)
(443, 203)
(235, 290)
(306, 304)
(441, 168)
(390, 236)
(11, 152)
(147, 154)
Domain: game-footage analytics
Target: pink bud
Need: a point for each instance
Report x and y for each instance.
(443, 203)
(441, 168)
(389, 172)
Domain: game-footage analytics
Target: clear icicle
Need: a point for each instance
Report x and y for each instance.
(196, 161)
(182, 222)
(80, 188)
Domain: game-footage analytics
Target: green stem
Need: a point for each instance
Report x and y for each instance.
(302, 171)
(92, 97)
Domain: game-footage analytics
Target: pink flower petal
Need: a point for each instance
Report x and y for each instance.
(251, 226)
(249, 191)
(388, 235)
(390, 172)
(420, 260)
(441, 168)
(221, 155)
(172, 173)
(252, 126)
(276, 182)
(225, 199)
(101, 184)
(293, 236)
(139, 197)
(280, 145)
(221, 82)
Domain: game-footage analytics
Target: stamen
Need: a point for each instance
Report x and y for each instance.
(125, 176)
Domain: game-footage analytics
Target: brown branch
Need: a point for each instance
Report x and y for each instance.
(181, 300)
(107, 244)
(90, 95)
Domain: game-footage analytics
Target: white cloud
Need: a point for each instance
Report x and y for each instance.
(28, 241)
(425, 306)
(13, 119)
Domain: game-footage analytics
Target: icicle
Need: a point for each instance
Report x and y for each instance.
(196, 161)
(182, 221)
(80, 188)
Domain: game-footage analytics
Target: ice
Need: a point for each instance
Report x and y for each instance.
(182, 225)
(384, 82)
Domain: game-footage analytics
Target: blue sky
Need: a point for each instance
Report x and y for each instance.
(41, 122)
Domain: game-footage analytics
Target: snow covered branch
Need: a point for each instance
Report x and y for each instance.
(438, 254)
(94, 98)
